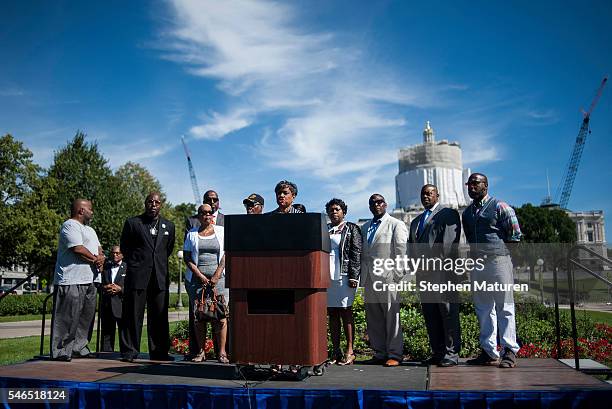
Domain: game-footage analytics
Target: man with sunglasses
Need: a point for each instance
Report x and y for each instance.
(254, 204)
(384, 238)
(489, 224)
(211, 198)
(147, 242)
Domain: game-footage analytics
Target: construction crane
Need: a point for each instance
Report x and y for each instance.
(565, 187)
(194, 181)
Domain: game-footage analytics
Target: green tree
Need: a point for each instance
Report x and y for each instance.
(80, 171)
(28, 227)
(136, 183)
(177, 215)
(545, 227)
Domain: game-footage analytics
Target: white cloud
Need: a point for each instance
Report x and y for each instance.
(11, 92)
(135, 151)
(216, 125)
(337, 113)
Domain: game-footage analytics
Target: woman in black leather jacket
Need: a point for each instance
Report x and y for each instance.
(345, 266)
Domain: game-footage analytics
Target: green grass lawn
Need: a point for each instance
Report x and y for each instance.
(597, 316)
(14, 350)
(29, 317)
(38, 317)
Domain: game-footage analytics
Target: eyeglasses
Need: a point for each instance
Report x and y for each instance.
(115, 252)
(205, 213)
(473, 182)
(376, 202)
(250, 205)
(211, 200)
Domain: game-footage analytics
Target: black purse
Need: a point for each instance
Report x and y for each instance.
(209, 305)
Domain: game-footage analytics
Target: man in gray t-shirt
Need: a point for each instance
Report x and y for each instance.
(79, 259)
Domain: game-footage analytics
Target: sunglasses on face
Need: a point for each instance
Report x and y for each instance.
(250, 205)
(376, 202)
(205, 213)
(211, 200)
(473, 182)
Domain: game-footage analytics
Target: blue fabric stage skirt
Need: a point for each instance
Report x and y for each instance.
(135, 396)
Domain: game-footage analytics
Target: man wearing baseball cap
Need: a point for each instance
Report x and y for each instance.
(253, 204)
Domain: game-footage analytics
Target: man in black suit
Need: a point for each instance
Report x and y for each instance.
(435, 234)
(211, 198)
(147, 241)
(112, 297)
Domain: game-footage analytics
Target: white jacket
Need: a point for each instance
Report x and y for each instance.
(191, 244)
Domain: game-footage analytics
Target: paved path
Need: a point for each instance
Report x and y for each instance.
(31, 328)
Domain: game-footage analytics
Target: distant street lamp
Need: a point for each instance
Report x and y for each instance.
(540, 263)
(179, 303)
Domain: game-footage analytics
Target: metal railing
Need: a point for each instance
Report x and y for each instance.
(19, 283)
(571, 265)
(44, 312)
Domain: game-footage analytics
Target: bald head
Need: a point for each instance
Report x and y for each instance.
(81, 210)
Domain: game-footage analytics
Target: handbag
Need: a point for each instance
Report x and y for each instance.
(209, 305)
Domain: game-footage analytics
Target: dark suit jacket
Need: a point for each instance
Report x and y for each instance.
(143, 255)
(440, 234)
(114, 300)
(439, 239)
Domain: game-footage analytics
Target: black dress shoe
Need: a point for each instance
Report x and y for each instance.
(63, 358)
(445, 363)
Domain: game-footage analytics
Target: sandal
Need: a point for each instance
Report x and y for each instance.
(223, 359)
(348, 359)
(199, 357)
(336, 357)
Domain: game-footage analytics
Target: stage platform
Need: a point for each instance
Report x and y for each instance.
(108, 382)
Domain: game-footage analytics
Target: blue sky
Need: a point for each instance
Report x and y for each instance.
(321, 93)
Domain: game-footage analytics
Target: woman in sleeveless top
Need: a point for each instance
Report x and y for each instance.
(205, 259)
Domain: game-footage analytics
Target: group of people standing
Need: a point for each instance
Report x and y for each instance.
(137, 276)
(489, 225)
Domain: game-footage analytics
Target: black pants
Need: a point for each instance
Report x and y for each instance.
(109, 324)
(134, 302)
(442, 321)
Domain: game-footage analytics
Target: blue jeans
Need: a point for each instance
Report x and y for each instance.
(495, 309)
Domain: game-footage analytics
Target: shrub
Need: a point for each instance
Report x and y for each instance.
(24, 304)
(416, 341)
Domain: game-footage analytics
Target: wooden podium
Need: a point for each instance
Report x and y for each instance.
(277, 270)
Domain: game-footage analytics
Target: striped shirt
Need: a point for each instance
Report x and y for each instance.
(291, 210)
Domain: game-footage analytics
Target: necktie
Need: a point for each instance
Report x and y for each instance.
(372, 230)
(424, 217)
